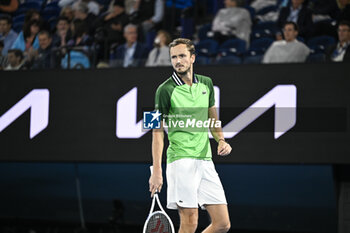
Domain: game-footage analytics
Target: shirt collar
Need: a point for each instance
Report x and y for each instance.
(179, 81)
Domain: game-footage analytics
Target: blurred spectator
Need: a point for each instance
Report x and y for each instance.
(41, 59)
(344, 6)
(81, 11)
(132, 53)
(7, 35)
(160, 56)
(63, 33)
(289, 49)
(93, 7)
(3, 58)
(298, 14)
(15, 59)
(80, 34)
(68, 13)
(147, 13)
(232, 21)
(340, 51)
(27, 39)
(112, 24)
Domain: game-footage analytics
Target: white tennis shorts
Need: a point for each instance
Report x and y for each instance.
(193, 182)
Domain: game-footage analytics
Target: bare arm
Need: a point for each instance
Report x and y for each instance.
(156, 179)
(223, 147)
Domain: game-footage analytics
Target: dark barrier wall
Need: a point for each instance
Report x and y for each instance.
(270, 113)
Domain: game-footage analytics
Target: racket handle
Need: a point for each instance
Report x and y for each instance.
(151, 169)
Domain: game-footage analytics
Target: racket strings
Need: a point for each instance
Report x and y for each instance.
(158, 223)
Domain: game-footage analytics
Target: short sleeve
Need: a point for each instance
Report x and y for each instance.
(211, 94)
(162, 100)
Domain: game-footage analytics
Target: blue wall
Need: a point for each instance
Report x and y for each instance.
(296, 198)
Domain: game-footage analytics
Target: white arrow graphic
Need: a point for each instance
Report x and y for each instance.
(38, 102)
(127, 125)
(282, 97)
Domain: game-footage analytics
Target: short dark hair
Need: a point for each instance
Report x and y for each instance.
(44, 33)
(17, 52)
(8, 18)
(344, 22)
(296, 28)
(62, 18)
(189, 44)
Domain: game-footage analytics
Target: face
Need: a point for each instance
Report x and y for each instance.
(297, 3)
(62, 25)
(289, 32)
(34, 29)
(230, 3)
(12, 59)
(4, 26)
(35, 16)
(343, 33)
(68, 13)
(44, 41)
(79, 15)
(181, 59)
(131, 35)
(118, 10)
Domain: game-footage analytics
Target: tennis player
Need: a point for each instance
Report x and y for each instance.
(191, 177)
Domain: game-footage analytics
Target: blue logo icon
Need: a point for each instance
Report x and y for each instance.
(151, 120)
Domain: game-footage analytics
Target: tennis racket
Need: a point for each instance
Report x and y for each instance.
(158, 221)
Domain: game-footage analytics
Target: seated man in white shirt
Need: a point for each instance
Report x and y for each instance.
(287, 50)
(340, 52)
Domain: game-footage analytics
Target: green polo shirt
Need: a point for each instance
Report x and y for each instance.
(184, 108)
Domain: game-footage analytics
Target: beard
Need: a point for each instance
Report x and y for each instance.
(182, 73)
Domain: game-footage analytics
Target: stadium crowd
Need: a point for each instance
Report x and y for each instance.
(43, 34)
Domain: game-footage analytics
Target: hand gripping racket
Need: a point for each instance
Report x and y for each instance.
(158, 221)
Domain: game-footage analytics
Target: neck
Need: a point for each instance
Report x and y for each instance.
(187, 78)
(129, 44)
(296, 7)
(342, 43)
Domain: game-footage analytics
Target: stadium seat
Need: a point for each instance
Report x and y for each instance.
(49, 12)
(266, 10)
(187, 26)
(207, 48)
(17, 27)
(228, 60)
(24, 7)
(265, 29)
(256, 51)
(256, 59)
(320, 43)
(236, 47)
(18, 18)
(316, 58)
(202, 60)
(251, 11)
(203, 31)
(259, 46)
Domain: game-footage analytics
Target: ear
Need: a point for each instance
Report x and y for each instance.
(193, 58)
